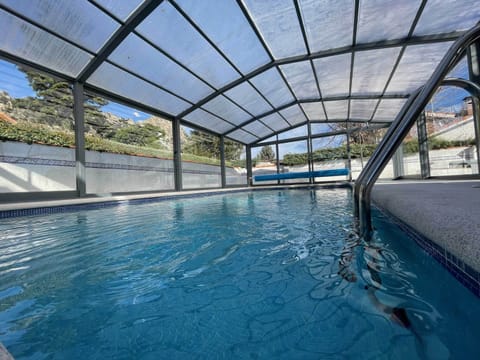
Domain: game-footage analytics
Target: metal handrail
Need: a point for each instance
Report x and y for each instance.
(400, 128)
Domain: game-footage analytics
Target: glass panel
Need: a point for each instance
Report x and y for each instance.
(29, 42)
(113, 79)
(270, 139)
(248, 98)
(37, 147)
(127, 149)
(78, 21)
(264, 162)
(139, 57)
(275, 121)
(325, 128)
(314, 111)
(388, 109)
(235, 37)
(411, 155)
(277, 21)
(258, 129)
(200, 159)
(272, 86)
(235, 163)
(333, 74)
(362, 110)
(302, 80)
(297, 132)
(385, 19)
(372, 69)
(451, 133)
(293, 114)
(330, 153)
(122, 8)
(242, 136)
(443, 16)
(336, 110)
(227, 110)
(328, 23)
(293, 159)
(417, 64)
(205, 119)
(170, 31)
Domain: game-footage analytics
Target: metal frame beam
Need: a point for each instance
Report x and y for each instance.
(222, 162)
(473, 59)
(177, 155)
(79, 118)
(422, 138)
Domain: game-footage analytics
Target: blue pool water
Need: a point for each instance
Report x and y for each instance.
(244, 275)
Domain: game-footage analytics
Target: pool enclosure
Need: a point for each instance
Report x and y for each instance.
(108, 97)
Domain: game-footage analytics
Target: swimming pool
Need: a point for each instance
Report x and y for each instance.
(242, 275)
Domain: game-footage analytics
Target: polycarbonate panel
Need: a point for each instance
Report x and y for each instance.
(293, 114)
(227, 110)
(258, 128)
(202, 118)
(122, 8)
(385, 19)
(336, 110)
(271, 85)
(372, 69)
(248, 98)
(362, 109)
(294, 133)
(78, 21)
(443, 16)
(314, 110)
(21, 39)
(388, 109)
(333, 74)
(141, 58)
(169, 30)
(275, 121)
(242, 136)
(301, 79)
(328, 23)
(417, 64)
(113, 79)
(224, 23)
(278, 23)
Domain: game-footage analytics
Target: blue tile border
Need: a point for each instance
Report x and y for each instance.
(463, 272)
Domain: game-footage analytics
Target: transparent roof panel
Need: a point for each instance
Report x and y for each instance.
(139, 57)
(333, 74)
(278, 23)
(319, 129)
(336, 110)
(271, 138)
(301, 79)
(417, 64)
(314, 110)
(272, 86)
(275, 121)
(443, 16)
(205, 119)
(328, 23)
(293, 133)
(78, 21)
(293, 114)
(258, 128)
(242, 136)
(119, 82)
(362, 109)
(122, 9)
(227, 110)
(372, 69)
(388, 109)
(169, 30)
(248, 98)
(21, 39)
(385, 19)
(235, 37)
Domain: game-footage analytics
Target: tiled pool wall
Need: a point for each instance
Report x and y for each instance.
(464, 273)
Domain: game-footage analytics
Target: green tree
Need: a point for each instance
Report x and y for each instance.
(266, 153)
(208, 145)
(140, 135)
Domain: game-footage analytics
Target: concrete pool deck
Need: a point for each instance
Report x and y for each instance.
(445, 212)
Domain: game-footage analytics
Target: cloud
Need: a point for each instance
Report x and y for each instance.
(136, 114)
